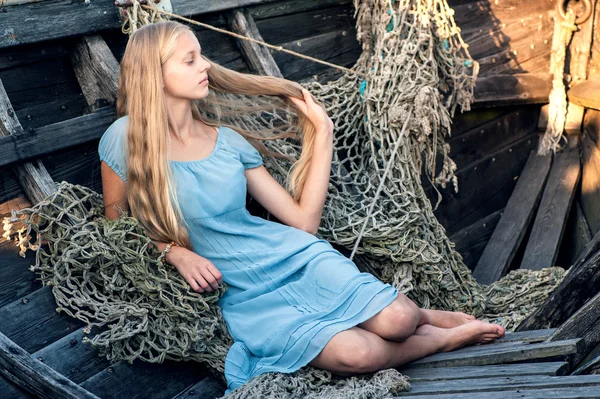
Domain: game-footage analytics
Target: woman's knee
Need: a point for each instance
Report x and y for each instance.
(402, 316)
(353, 352)
(363, 355)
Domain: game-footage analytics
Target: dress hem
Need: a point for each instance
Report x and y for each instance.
(378, 302)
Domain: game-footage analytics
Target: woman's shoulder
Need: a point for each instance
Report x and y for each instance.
(117, 129)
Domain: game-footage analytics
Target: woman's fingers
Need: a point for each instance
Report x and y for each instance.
(215, 272)
(210, 279)
(195, 286)
(202, 282)
(300, 104)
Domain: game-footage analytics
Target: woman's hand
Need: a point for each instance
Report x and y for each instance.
(199, 272)
(315, 113)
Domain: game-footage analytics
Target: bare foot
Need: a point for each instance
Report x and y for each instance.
(445, 319)
(471, 333)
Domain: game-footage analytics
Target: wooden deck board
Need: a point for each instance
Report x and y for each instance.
(472, 372)
(499, 354)
(502, 383)
(581, 392)
(32, 321)
(510, 231)
(145, 380)
(550, 221)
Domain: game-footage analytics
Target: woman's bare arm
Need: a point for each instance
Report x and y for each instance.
(305, 214)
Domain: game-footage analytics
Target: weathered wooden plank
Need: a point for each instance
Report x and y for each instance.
(73, 358)
(96, 69)
(338, 47)
(580, 284)
(465, 122)
(286, 7)
(582, 392)
(257, 56)
(63, 108)
(577, 235)
(548, 228)
(11, 391)
(33, 177)
(484, 186)
(77, 165)
(207, 388)
(144, 380)
(23, 55)
(33, 22)
(40, 83)
(479, 142)
(191, 7)
(527, 88)
(510, 231)
(586, 94)
(16, 280)
(531, 336)
(33, 323)
(501, 383)
(45, 140)
(311, 22)
(471, 241)
(590, 174)
(585, 323)
(34, 376)
(498, 354)
(471, 372)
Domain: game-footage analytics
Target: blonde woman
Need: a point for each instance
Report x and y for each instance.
(292, 299)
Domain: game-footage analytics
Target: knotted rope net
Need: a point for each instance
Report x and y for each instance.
(390, 128)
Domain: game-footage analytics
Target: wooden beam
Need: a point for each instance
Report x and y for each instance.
(191, 7)
(34, 376)
(586, 94)
(96, 69)
(548, 228)
(505, 370)
(580, 285)
(258, 57)
(580, 392)
(480, 385)
(32, 176)
(585, 323)
(500, 354)
(471, 241)
(57, 136)
(524, 88)
(590, 175)
(510, 231)
(531, 336)
(55, 19)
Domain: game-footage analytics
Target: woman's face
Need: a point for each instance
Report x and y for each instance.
(185, 72)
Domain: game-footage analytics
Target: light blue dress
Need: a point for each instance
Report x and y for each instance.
(289, 292)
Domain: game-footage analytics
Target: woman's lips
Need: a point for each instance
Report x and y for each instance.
(205, 81)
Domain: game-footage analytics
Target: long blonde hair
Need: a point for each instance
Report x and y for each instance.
(151, 193)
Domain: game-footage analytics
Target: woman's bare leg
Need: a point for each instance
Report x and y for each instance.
(358, 351)
(401, 318)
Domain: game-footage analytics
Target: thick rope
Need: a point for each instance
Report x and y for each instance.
(557, 109)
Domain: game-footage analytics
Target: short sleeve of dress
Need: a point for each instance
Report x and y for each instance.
(112, 147)
(249, 155)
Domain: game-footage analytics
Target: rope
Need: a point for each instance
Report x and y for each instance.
(133, 22)
(557, 109)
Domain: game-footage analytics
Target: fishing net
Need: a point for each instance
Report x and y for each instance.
(391, 118)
